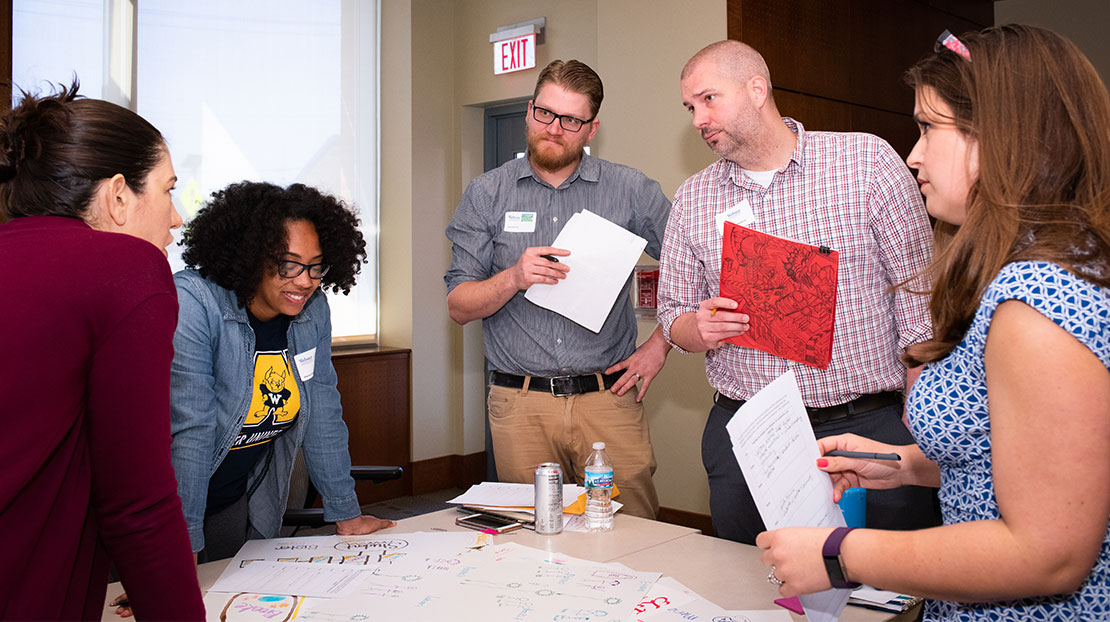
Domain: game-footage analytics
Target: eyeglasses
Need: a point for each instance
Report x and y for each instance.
(949, 41)
(288, 269)
(569, 123)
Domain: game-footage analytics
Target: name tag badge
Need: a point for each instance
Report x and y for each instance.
(739, 214)
(306, 364)
(520, 222)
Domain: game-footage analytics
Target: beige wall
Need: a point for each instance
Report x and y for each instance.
(436, 78)
(1082, 21)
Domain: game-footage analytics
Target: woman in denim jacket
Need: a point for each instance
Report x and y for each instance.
(252, 377)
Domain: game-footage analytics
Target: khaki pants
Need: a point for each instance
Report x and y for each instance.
(530, 427)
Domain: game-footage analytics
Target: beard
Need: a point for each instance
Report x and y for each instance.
(549, 155)
(726, 144)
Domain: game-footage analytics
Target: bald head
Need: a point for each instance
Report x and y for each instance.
(735, 61)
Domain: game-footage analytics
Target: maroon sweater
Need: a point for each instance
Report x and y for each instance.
(86, 330)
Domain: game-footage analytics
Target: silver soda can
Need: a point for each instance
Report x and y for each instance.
(549, 498)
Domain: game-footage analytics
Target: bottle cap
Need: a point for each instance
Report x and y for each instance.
(599, 445)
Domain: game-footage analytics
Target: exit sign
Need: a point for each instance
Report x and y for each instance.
(514, 54)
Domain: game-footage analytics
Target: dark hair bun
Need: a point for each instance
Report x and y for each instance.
(55, 149)
(29, 130)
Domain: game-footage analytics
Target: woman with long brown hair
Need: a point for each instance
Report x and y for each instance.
(1011, 413)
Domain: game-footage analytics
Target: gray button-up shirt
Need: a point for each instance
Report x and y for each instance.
(522, 338)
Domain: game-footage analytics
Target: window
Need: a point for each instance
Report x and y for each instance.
(262, 90)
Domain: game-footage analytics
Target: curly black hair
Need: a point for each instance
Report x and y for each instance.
(240, 235)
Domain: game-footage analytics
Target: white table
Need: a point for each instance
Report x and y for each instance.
(724, 572)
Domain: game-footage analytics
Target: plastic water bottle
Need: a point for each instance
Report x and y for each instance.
(599, 490)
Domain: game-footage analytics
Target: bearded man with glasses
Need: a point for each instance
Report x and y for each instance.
(555, 386)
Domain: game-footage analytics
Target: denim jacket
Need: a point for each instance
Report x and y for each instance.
(211, 383)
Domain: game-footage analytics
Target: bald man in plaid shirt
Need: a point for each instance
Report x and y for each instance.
(850, 192)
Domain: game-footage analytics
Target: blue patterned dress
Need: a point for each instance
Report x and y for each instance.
(950, 419)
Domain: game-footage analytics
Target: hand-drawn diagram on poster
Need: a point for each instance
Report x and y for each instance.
(509, 582)
(372, 550)
(787, 288)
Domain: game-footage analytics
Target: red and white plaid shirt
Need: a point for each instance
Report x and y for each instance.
(850, 192)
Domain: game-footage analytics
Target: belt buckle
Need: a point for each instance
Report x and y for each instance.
(567, 386)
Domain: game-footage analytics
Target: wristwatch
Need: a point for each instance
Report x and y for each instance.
(833, 565)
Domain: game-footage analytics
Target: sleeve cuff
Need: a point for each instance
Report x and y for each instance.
(343, 508)
(196, 538)
(666, 318)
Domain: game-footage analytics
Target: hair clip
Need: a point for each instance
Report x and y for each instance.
(949, 40)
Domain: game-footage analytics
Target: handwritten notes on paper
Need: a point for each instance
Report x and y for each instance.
(670, 601)
(602, 255)
(505, 582)
(775, 447)
(325, 580)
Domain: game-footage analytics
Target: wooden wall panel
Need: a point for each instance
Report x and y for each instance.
(979, 13)
(815, 113)
(805, 44)
(375, 387)
(837, 64)
(897, 129)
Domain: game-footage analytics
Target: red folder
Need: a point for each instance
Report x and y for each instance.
(787, 288)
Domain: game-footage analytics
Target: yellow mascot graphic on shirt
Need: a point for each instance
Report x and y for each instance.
(276, 394)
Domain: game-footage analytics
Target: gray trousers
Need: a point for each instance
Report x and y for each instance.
(226, 531)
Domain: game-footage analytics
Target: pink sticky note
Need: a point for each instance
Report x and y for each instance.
(792, 604)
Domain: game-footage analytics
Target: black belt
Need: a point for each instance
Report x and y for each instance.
(817, 416)
(560, 386)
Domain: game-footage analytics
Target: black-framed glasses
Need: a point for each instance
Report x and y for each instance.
(569, 123)
(948, 41)
(289, 269)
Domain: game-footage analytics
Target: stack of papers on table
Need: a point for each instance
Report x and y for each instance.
(420, 577)
(522, 497)
(871, 598)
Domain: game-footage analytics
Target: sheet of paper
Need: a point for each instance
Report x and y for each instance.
(670, 601)
(251, 607)
(323, 580)
(666, 594)
(353, 551)
(517, 496)
(775, 447)
(508, 581)
(756, 615)
(602, 256)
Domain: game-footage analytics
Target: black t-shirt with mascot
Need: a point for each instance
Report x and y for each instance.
(275, 403)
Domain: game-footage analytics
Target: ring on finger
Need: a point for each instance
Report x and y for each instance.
(773, 580)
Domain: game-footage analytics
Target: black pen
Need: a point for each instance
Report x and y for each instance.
(865, 455)
(550, 258)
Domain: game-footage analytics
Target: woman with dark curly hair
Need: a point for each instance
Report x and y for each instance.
(252, 379)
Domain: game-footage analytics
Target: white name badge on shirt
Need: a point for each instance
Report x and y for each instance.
(306, 364)
(520, 222)
(739, 214)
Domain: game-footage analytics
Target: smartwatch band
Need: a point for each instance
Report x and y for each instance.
(833, 566)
